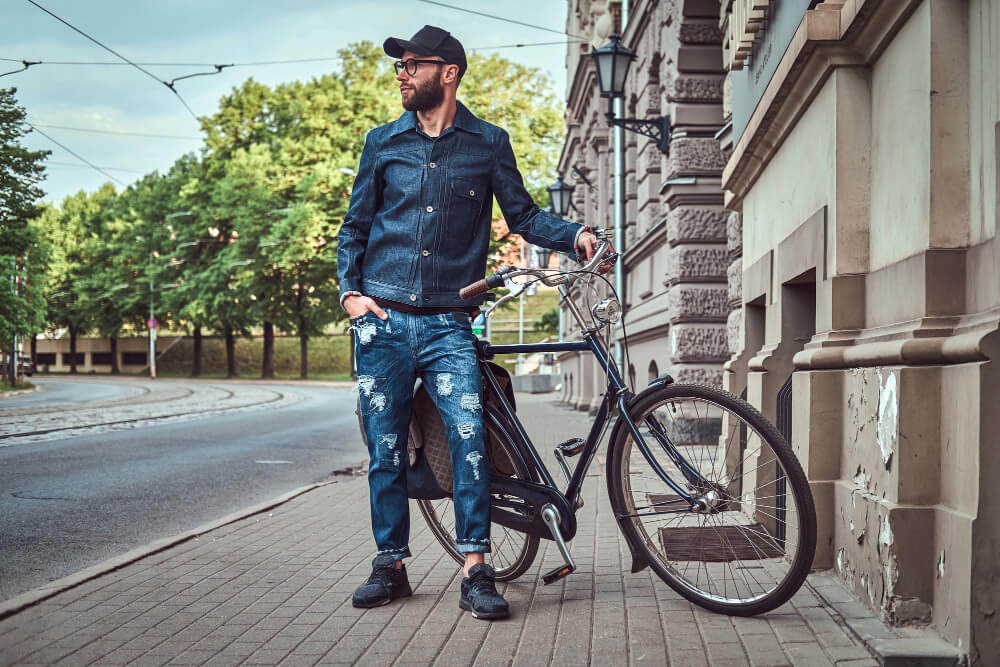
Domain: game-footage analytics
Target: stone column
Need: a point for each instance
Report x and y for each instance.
(696, 223)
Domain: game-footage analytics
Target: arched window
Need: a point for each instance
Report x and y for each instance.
(654, 372)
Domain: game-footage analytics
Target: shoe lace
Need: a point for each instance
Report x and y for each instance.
(381, 575)
(482, 583)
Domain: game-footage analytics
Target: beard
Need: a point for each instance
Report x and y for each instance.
(427, 96)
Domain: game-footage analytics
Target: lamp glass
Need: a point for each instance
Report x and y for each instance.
(612, 62)
(622, 62)
(559, 194)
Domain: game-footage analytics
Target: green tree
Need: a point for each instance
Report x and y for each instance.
(548, 322)
(22, 256)
(70, 232)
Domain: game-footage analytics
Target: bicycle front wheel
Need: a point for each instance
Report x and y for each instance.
(747, 546)
(511, 552)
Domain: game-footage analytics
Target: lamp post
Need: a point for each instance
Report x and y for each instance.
(560, 194)
(612, 62)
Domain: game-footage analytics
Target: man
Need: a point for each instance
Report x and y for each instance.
(416, 232)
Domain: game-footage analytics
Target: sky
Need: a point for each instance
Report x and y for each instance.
(123, 99)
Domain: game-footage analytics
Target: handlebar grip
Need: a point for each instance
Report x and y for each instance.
(475, 289)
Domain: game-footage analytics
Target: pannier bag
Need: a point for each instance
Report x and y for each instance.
(429, 474)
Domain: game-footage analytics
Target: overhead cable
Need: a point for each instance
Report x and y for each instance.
(128, 134)
(109, 49)
(494, 16)
(59, 163)
(73, 153)
(259, 62)
(26, 63)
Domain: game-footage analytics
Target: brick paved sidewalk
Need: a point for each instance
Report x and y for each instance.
(275, 588)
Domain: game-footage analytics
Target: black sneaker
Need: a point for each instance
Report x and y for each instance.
(479, 594)
(385, 585)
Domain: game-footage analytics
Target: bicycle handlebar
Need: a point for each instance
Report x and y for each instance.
(500, 275)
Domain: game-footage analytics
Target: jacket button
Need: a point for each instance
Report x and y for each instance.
(430, 209)
(472, 193)
(413, 297)
(432, 165)
(427, 253)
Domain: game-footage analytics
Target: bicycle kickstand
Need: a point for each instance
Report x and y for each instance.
(550, 515)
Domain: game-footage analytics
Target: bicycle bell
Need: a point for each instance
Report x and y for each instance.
(608, 311)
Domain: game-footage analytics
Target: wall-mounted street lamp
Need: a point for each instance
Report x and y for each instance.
(612, 61)
(559, 196)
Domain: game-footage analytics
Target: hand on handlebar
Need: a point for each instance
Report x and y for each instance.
(587, 244)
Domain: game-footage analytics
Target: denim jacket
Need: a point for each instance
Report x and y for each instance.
(418, 226)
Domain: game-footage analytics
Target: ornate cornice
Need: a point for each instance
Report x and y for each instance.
(830, 36)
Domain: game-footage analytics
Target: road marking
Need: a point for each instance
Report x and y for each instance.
(274, 461)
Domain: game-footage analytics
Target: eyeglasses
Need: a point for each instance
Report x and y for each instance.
(412, 64)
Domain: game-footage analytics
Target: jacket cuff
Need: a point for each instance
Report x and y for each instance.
(576, 243)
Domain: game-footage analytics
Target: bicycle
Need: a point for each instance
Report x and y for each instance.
(704, 488)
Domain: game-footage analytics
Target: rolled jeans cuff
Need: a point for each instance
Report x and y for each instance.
(398, 554)
(473, 547)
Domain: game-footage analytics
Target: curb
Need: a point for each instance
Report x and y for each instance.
(19, 392)
(914, 647)
(33, 597)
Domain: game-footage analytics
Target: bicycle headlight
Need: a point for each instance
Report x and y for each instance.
(608, 311)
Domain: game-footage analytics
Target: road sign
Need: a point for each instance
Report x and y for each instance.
(153, 324)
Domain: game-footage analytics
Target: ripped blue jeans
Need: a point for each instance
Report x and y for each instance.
(389, 355)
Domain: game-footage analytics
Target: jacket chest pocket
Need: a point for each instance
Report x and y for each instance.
(466, 201)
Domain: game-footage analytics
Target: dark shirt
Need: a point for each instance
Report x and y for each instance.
(418, 226)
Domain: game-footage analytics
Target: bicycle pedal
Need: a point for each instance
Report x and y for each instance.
(571, 447)
(557, 574)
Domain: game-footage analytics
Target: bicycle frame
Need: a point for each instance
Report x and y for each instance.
(618, 396)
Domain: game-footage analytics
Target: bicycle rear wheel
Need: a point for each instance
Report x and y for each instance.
(751, 544)
(512, 552)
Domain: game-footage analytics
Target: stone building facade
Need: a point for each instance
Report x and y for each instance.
(675, 258)
(864, 180)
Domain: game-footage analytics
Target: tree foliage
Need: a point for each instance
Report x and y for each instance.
(23, 259)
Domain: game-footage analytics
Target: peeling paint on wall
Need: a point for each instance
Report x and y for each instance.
(887, 431)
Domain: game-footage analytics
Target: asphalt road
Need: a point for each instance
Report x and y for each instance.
(76, 498)
(67, 392)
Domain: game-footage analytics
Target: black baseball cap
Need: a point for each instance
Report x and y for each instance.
(429, 41)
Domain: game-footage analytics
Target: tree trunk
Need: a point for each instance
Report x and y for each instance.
(12, 364)
(72, 349)
(196, 365)
(267, 363)
(34, 346)
(114, 355)
(230, 352)
(303, 349)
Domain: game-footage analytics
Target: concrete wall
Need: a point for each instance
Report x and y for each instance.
(865, 197)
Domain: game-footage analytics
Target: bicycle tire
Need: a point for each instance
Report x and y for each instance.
(723, 539)
(509, 563)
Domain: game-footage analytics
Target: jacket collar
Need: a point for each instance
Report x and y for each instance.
(464, 120)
